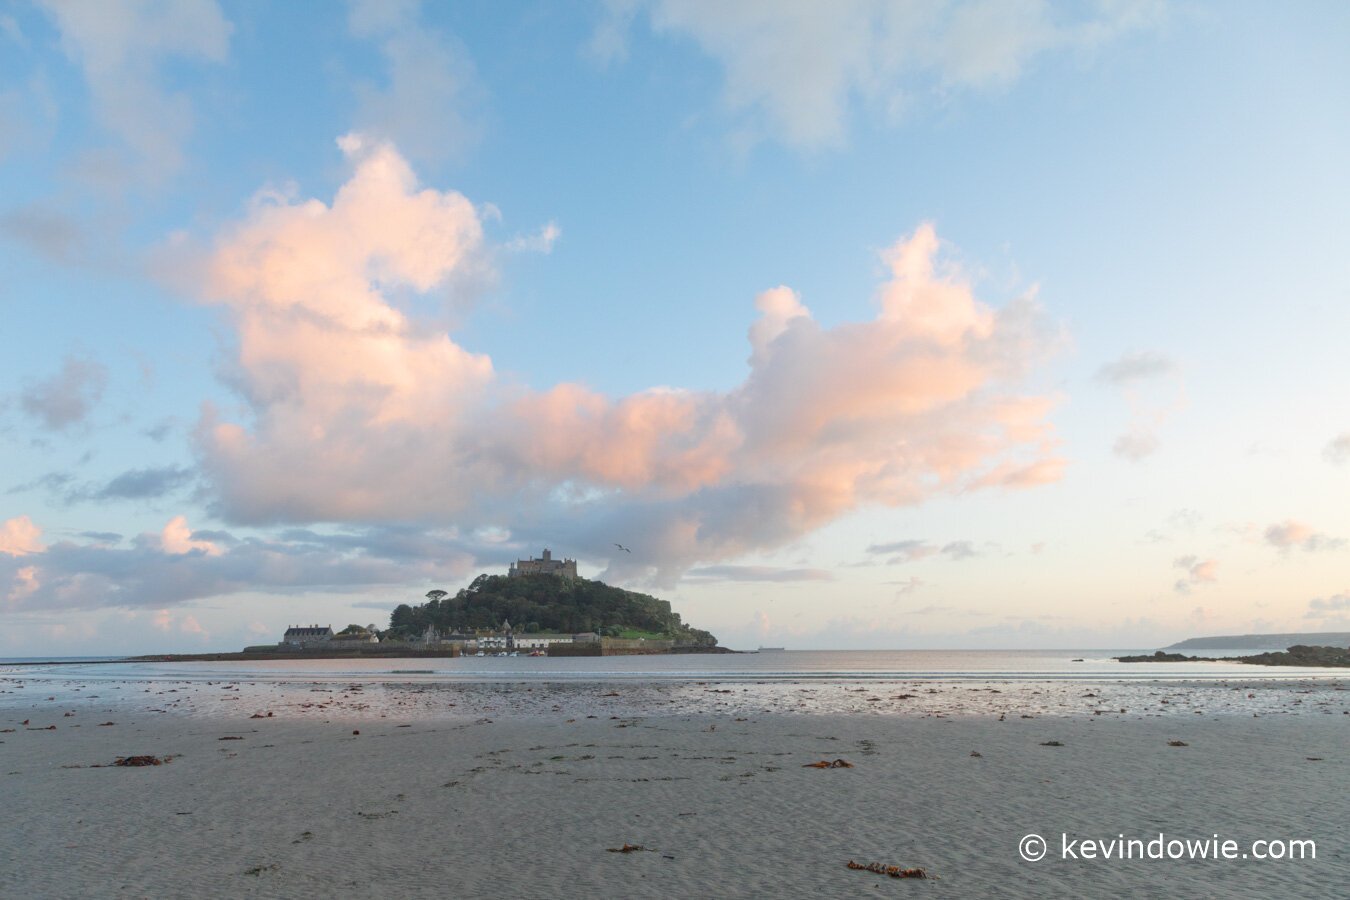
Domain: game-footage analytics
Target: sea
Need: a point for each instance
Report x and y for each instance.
(794, 665)
(903, 682)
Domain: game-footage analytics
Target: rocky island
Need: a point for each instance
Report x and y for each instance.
(1297, 655)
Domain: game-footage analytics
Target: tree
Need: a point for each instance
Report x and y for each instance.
(437, 594)
(402, 619)
(549, 604)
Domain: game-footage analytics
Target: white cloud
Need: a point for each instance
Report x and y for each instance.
(123, 49)
(540, 242)
(430, 82)
(177, 539)
(794, 68)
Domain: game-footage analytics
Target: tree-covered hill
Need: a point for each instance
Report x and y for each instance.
(545, 603)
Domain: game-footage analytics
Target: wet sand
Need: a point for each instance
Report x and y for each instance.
(526, 803)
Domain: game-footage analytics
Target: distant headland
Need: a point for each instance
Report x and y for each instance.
(1265, 641)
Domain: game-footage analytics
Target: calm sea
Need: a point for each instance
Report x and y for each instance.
(788, 665)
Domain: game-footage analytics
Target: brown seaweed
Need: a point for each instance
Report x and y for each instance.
(892, 871)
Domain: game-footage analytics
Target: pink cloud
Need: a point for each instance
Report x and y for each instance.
(176, 538)
(1289, 534)
(1197, 572)
(358, 412)
(20, 537)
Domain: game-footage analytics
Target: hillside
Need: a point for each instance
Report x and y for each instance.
(1265, 641)
(546, 603)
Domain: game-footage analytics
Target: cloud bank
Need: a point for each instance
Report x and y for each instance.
(178, 565)
(357, 412)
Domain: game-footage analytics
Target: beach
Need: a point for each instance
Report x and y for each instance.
(473, 796)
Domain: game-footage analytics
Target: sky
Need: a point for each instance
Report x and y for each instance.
(952, 323)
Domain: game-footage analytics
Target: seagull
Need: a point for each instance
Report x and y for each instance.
(623, 548)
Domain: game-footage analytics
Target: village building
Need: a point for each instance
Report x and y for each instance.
(354, 640)
(547, 565)
(505, 640)
(302, 635)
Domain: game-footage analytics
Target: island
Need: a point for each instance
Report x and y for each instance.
(555, 612)
(1297, 655)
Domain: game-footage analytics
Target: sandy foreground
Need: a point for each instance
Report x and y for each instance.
(526, 806)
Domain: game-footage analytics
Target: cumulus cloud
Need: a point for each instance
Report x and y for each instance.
(1289, 534)
(20, 537)
(67, 397)
(177, 539)
(430, 82)
(359, 412)
(757, 573)
(1337, 452)
(124, 49)
(795, 68)
(178, 565)
(1197, 572)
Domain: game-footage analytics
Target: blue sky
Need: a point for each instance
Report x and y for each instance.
(893, 325)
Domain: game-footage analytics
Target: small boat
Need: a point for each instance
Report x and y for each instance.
(480, 653)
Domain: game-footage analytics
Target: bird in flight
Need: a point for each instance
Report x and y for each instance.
(623, 548)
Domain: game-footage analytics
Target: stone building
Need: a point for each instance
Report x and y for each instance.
(300, 635)
(547, 565)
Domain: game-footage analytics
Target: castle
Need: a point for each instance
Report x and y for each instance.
(566, 568)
